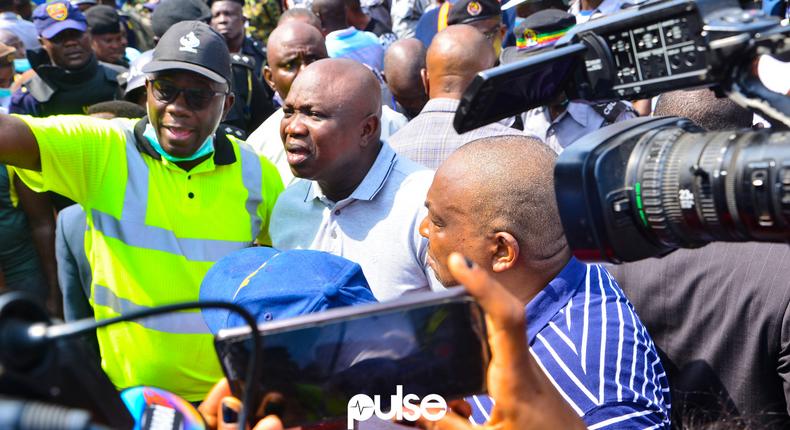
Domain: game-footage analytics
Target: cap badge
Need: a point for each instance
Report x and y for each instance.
(530, 37)
(474, 8)
(189, 43)
(57, 11)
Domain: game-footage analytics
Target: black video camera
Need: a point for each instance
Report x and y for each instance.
(647, 186)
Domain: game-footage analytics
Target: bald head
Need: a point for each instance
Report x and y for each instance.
(332, 14)
(300, 14)
(455, 56)
(359, 90)
(291, 47)
(507, 184)
(403, 63)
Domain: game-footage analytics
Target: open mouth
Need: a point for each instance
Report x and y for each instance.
(296, 153)
(178, 133)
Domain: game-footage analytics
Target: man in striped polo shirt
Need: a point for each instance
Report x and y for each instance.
(493, 200)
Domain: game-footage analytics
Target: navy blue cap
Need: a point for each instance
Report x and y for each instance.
(274, 285)
(53, 17)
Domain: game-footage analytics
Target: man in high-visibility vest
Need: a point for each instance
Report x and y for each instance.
(165, 197)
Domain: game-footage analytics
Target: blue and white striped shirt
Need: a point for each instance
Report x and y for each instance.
(585, 335)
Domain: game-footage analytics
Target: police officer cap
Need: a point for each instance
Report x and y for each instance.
(195, 47)
(170, 12)
(53, 17)
(547, 21)
(103, 20)
(466, 11)
(538, 31)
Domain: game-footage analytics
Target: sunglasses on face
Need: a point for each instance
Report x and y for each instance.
(196, 98)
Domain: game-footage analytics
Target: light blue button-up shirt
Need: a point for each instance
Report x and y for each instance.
(377, 226)
(578, 120)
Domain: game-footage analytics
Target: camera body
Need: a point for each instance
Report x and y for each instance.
(646, 186)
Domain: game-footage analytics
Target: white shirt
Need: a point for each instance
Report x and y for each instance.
(377, 226)
(266, 140)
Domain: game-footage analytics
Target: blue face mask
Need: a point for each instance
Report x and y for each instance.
(21, 65)
(5, 93)
(205, 149)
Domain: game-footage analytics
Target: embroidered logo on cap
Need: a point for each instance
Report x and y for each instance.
(189, 43)
(474, 8)
(57, 11)
(530, 37)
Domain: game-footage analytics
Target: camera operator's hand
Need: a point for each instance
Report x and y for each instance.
(221, 411)
(525, 398)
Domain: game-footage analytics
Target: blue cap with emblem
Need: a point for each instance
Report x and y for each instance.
(53, 17)
(274, 285)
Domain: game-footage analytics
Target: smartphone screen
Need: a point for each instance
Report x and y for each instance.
(310, 371)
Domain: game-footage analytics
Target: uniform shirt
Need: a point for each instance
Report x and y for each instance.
(577, 121)
(266, 140)
(584, 334)
(257, 51)
(153, 232)
(429, 138)
(24, 30)
(377, 226)
(360, 46)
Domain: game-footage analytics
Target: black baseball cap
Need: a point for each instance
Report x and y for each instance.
(195, 47)
(170, 12)
(103, 19)
(466, 11)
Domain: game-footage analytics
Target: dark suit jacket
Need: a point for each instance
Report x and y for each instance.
(719, 316)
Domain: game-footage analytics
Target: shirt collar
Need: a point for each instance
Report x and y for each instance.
(579, 112)
(10, 15)
(340, 34)
(223, 149)
(551, 299)
(441, 105)
(371, 184)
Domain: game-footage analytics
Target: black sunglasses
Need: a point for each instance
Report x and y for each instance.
(196, 98)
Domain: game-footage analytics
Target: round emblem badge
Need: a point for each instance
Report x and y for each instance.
(530, 37)
(57, 11)
(474, 8)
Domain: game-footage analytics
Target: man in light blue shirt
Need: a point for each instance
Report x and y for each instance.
(358, 199)
(493, 201)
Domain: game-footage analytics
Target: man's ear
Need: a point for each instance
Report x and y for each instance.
(267, 76)
(506, 252)
(229, 99)
(370, 129)
(425, 81)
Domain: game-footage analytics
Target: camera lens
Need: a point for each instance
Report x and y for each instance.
(691, 188)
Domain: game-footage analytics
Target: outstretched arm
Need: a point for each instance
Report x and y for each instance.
(18, 146)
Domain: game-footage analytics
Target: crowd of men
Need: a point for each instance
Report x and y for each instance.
(142, 144)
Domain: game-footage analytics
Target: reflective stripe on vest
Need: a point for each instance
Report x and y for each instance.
(252, 173)
(131, 228)
(178, 323)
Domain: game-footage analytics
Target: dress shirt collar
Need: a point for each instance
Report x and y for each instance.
(10, 16)
(370, 185)
(542, 308)
(441, 105)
